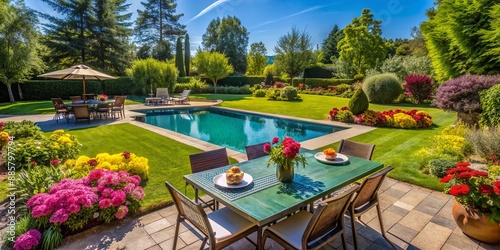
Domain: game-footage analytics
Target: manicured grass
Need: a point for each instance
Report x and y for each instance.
(27, 108)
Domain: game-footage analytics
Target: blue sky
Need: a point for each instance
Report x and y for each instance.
(268, 20)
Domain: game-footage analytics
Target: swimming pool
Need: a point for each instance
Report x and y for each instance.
(233, 130)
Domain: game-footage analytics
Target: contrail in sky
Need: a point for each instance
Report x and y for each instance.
(207, 9)
(292, 15)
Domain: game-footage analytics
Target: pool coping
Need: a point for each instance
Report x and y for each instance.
(350, 130)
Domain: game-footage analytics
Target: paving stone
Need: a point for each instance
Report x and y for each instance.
(137, 239)
(430, 210)
(168, 244)
(461, 241)
(380, 244)
(404, 233)
(386, 200)
(399, 243)
(402, 186)
(157, 226)
(389, 219)
(388, 182)
(164, 234)
(396, 193)
(398, 210)
(432, 236)
(415, 220)
(403, 205)
(155, 247)
(191, 236)
(444, 221)
(451, 247)
(149, 218)
(414, 196)
(167, 211)
(363, 242)
(436, 200)
(487, 246)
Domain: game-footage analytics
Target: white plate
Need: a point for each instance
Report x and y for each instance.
(220, 180)
(340, 159)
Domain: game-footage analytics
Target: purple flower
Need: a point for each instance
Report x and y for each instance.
(73, 208)
(122, 211)
(60, 216)
(104, 203)
(28, 240)
(118, 198)
(40, 210)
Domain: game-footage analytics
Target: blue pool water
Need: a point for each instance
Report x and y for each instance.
(233, 130)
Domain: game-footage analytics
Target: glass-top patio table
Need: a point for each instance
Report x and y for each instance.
(266, 199)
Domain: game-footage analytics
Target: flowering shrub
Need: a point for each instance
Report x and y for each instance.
(28, 240)
(474, 189)
(102, 195)
(462, 93)
(31, 151)
(419, 87)
(284, 154)
(125, 161)
(279, 85)
(399, 118)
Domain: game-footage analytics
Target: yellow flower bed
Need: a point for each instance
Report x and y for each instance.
(404, 121)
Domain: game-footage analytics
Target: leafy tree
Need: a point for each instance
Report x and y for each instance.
(162, 51)
(403, 50)
(455, 37)
(330, 44)
(110, 46)
(144, 52)
(158, 22)
(18, 45)
(293, 52)
(179, 61)
(151, 73)
(187, 54)
(256, 58)
(229, 37)
(213, 65)
(362, 46)
(417, 44)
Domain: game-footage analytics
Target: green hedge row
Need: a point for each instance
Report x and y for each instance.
(318, 72)
(315, 82)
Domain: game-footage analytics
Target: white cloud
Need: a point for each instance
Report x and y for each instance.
(292, 15)
(207, 9)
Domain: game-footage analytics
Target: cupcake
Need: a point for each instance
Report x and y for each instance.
(330, 154)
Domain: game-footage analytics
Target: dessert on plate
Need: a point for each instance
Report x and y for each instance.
(330, 154)
(234, 176)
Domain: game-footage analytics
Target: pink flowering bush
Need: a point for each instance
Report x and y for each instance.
(102, 195)
(28, 240)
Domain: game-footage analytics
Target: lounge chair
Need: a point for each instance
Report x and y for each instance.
(184, 98)
(162, 93)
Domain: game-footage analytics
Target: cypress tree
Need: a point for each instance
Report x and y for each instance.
(187, 54)
(179, 62)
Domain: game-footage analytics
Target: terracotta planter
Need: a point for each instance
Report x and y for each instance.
(475, 226)
(285, 174)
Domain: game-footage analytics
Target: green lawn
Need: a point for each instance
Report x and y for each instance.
(168, 159)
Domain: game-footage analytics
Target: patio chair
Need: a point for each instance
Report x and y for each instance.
(205, 161)
(103, 110)
(365, 199)
(75, 98)
(356, 149)
(81, 113)
(255, 151)
(162, 93)
(220, 228)
(61, 110)
(184, 98)
(88, 97)
(304, 230)
(119, 106)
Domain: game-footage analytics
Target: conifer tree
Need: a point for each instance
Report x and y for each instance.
(179, 61)
(187, 54)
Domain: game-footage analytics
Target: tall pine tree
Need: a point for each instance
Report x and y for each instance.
(330, 45)
(179, 61)
(187, 54)
(158, 24)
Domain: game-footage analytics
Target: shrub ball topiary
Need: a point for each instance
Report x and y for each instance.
(490, 103)
(359, 77)
(358, 102)
(383, 88)
(462, 93)
(419, 87)
(260, 93)
(289, 93)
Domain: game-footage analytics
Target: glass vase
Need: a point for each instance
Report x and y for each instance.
(285, 174)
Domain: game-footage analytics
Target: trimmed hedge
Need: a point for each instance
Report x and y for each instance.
(318, 72)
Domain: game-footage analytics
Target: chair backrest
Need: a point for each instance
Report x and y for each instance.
(90, 96)
(191, 211)
(356, 149)
(58, 103)
(81, 111)
(185, 93)
(162, 92)
(208, 160)
(368, 190)
(119, 101)
(328, 216)
(75, 98)
(255, 151)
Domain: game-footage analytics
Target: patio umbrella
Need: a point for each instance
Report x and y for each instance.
(78, 72)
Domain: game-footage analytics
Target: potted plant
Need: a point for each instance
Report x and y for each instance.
(102, 97)
(477, 202)
(285, 155)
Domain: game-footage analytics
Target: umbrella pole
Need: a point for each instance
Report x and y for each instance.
(83, 85)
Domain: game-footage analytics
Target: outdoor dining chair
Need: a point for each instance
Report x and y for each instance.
(305, 230)
(103, 110)
(184, 98)
(81, 113)
(255, 151)
(356, 149)
(220, 228)
(75, 98)
(206, 161)
(61, 110)
(366, 198)
(119, 106)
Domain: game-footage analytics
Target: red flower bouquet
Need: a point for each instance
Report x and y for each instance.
(474, 189)
(284, 154)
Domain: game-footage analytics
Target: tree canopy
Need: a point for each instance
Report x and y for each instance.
(213, 65)
(330, 45)
(462, 38)
(158, 22)
(293, 52)
(362, 46)
(229, 37)
(256, 59)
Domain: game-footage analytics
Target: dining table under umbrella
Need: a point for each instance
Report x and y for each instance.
(78, 72)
